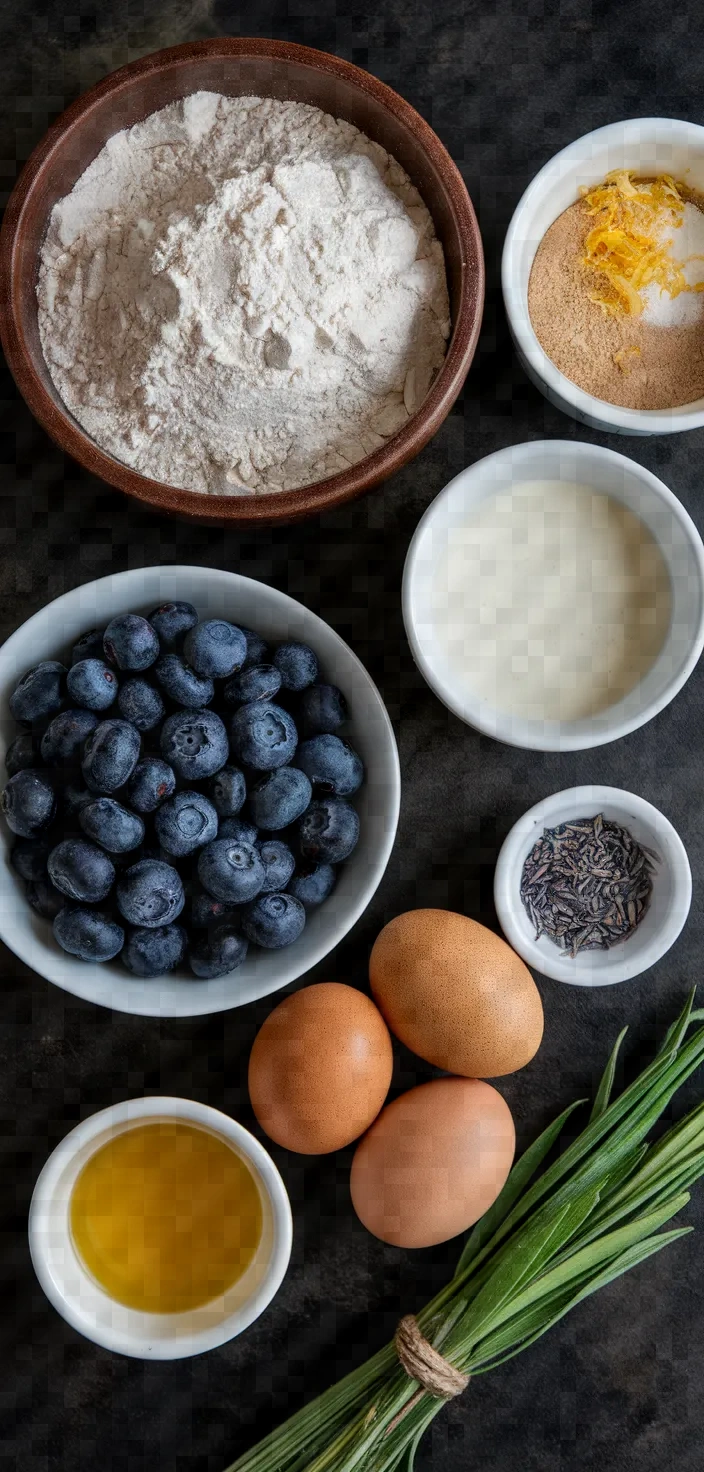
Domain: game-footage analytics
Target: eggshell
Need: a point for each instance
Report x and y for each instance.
(456, 994)
(433, 1162)
(320, 1068)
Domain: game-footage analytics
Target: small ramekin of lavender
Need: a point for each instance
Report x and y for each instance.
(592, 886)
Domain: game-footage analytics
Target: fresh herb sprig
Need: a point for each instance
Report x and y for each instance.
(550, 1240)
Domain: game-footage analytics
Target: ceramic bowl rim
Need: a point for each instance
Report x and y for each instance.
(513, 730)
(42, 1223)
(66, 971)
(514, 922)
(276, 507)
(584, 405)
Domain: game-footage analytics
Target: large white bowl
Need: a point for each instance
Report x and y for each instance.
(216, 594)
(666, 913)
(75, 1294)
(606, 471)
(647, 145)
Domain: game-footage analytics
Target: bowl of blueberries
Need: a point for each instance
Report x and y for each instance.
(201, 791)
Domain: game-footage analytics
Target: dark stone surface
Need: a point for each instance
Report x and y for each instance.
(617, 1386)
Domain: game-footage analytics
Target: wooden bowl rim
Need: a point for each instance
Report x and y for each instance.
(275, 507)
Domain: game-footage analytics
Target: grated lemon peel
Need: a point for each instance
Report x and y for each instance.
(628, 245)
(623, 358)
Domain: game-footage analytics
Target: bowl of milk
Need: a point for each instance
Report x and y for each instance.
(553, 595)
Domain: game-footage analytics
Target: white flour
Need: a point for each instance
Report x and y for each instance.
(242, 294)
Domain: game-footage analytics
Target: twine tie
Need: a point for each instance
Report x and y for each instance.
(425, 1364)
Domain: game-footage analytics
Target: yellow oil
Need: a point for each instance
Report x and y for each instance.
(165, 1217)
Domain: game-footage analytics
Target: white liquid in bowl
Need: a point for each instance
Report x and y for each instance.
(552, 601)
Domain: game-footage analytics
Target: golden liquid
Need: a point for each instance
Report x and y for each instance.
(165, 1217)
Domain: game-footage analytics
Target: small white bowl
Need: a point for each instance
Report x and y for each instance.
(216, 594)
(648, 146)
(666, 913)
(605, 471)
(76, 1295)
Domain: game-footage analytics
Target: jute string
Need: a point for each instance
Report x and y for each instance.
(425, 1364)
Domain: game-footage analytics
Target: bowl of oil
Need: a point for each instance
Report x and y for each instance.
(160, 1228)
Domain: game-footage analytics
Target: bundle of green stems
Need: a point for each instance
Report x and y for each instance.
(555, 1234)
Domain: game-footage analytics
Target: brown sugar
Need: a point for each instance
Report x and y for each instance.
(622, 360)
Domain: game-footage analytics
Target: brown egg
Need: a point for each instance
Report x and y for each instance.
(456, 994)
(433, 1162)
(320, 1068)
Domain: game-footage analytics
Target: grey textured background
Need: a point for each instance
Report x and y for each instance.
(619, 1385)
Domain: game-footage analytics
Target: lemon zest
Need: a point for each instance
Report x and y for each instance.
(628, 246)
(621, 358)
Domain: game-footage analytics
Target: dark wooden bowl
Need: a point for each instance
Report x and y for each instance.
(235, 67)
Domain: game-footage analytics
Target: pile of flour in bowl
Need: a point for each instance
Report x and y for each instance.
(242, 295)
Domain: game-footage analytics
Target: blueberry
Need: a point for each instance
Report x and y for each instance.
(45, 899)
(278, 862)
(81, 871)
(185, 822)
(274, 920)
(312, 883)
(64, 738)
(231, 870)
(89, 646)
(92, 684)
(130, 642)
(88, 934)
(328, 831)
(194, 742)
(322, 710)
(263, 736)
(257, 682)
(172, 622)
(150, 894)
(108, 823)
(140, 704)
(257, 648)
(28, 857)
(22, 753)
(110, 755)
(297, 665)
(151, 782)
(207, 911)
(215, 648)
(28, 802)
(154, 952)
(39, 693)
(217, 953)
(331, 764)
(227, 791)
(280, 798)
(238, 829)
(181, 683)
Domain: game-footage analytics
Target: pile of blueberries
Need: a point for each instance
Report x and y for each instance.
(164, 802)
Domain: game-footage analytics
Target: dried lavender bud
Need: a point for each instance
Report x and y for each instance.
(587, 884)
